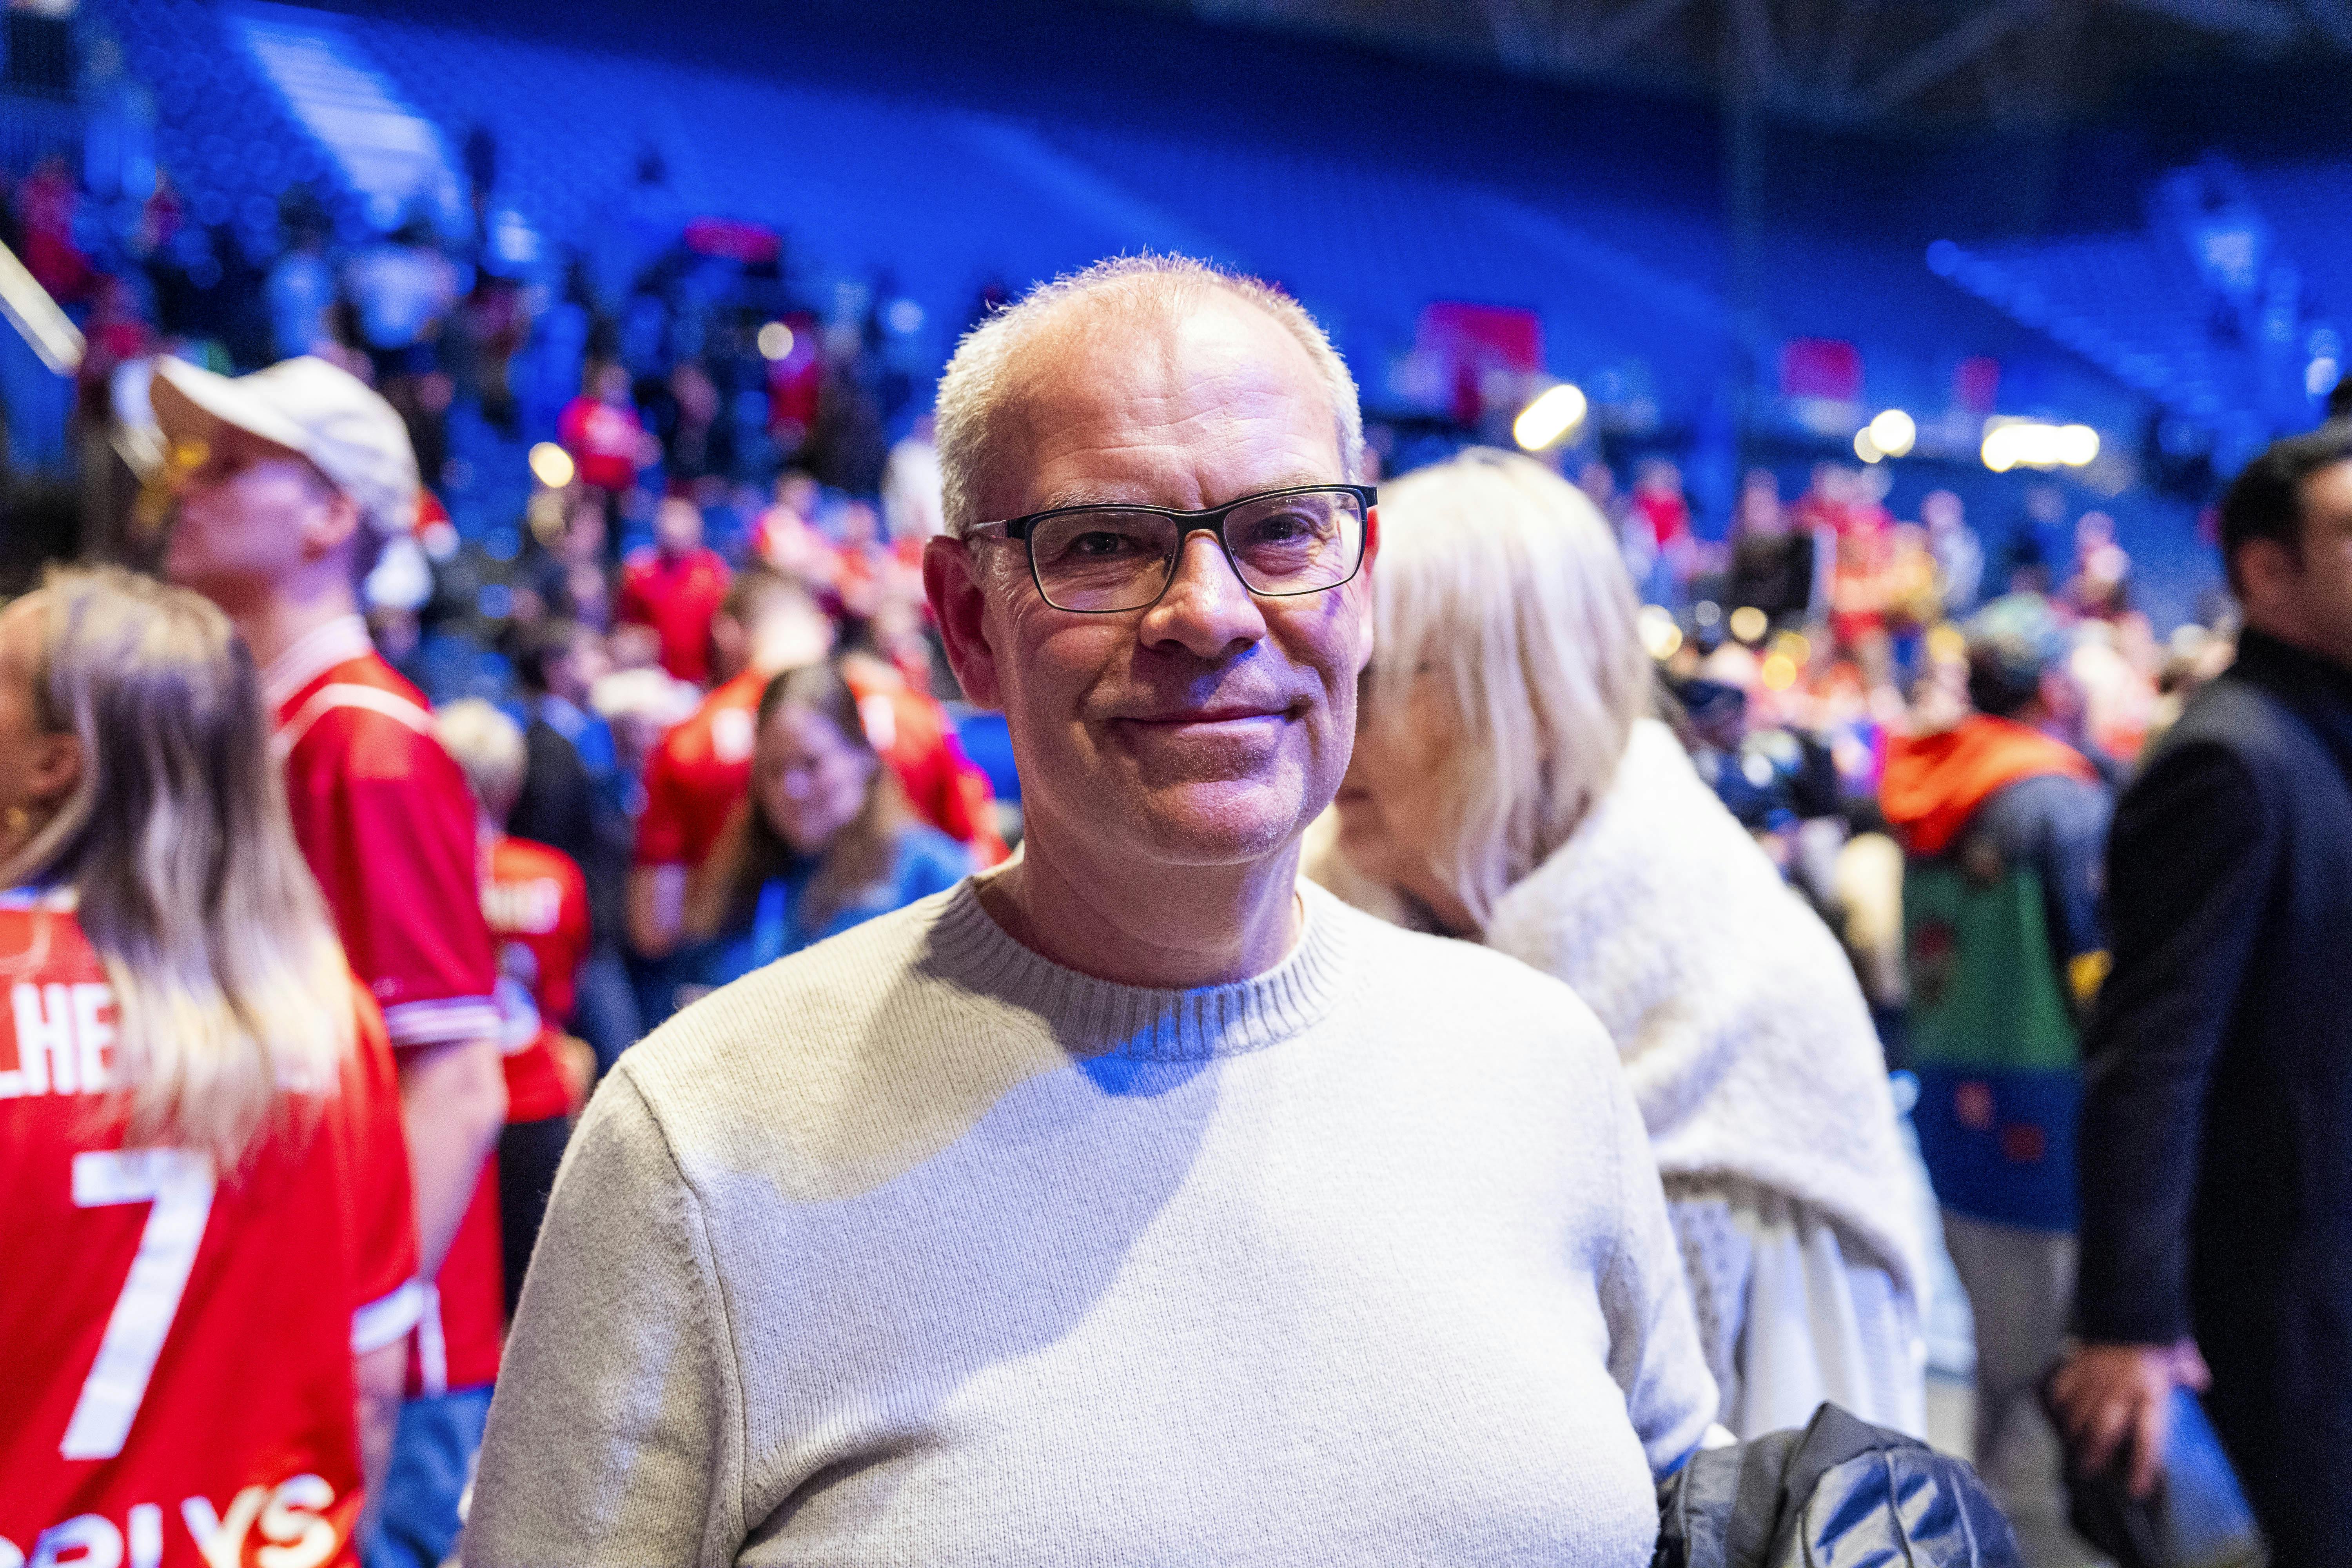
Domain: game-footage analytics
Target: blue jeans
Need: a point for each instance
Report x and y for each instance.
(418, 1519)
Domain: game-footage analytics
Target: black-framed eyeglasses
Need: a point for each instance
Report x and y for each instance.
(1109, 557)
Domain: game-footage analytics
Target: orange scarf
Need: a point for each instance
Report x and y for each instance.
(1934, 784)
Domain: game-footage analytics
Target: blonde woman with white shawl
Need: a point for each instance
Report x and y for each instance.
(1508, 786)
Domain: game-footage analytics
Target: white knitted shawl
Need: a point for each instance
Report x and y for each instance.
(1743, 1032)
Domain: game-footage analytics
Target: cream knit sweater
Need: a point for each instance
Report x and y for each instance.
(916, 1248)
(1742, 1030)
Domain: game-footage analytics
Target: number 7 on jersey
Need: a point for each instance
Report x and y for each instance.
(180, 1185)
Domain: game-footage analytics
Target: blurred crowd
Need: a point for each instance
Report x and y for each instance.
(682, 652)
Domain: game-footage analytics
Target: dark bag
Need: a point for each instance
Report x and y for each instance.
(2196, 1518)
(1840, 1491)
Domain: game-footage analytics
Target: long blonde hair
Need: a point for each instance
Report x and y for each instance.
(230, 990)
(1499, 590)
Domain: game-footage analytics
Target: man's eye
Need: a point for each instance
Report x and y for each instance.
(1100, 544)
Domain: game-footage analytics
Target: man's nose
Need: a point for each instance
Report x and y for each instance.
(1207, 608)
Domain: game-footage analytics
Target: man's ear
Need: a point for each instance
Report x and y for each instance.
(56, 766)
(332, 526)
(960, 606)
(2267, 570)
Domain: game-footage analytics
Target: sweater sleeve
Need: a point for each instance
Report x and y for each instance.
(615, 1433)
(1654, 1349)
(2188, 871)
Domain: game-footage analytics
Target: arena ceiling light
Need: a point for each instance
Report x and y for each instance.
(1892, 434)
(1555, 412)
(2032, 443)
(1659, 633)
(551, 465)
(775, 341)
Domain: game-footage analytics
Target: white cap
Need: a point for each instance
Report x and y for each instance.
(307, 406)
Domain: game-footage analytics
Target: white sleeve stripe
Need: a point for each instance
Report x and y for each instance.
(434, 1022)
(384, 1321)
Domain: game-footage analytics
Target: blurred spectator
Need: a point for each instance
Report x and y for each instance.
(1771, 779)
(1507, 787)
(1663, 518)
(787, 539)
(693, 778)
(2100, 585)
(2195, 657)
(1866, 491)
(277, 534)
(1658, 497)
(1772, 566)
(847, 446)
(601, 430)
(231, 1103)
(821, 840)
(537, 906)
(46, 202)
(689, 449)
(495, 319)
(575, 798)
(400, 287)
(1825, 505)
(1960, 556)
(301, 291)
(2003, 823)
(2037, 539)
(911, 506)
(2215, 1182)
(674, 587)
(698, 772)
(642, 704)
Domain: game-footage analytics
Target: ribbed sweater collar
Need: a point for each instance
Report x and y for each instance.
(1101, 1018)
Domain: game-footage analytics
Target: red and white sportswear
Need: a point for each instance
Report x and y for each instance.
(175, 1340)
(387, 824)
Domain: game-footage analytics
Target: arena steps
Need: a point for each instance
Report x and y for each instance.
(393, 157)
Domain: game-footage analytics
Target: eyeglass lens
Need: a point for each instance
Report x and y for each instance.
(1102, 561)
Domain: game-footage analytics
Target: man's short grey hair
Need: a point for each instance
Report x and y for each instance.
(979, 380)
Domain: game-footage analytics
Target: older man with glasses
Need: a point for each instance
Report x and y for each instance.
(1130, 1203)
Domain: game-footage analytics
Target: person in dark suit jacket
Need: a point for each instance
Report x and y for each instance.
(572, 800)
(2215, 1148)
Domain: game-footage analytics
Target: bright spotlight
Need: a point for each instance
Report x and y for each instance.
(1778, 672)
(775, 341)
(1865, 445)
(1892, 432)
(551, 465)
(1550, 416)
(1659, 636)
(2030, 444)
(1749, 623)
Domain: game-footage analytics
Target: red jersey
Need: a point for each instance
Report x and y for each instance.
(387, 824)
(606, 444)
(536, 901)
(676, 597)
(177, 1374)
(1667, 515)
(702, 767)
